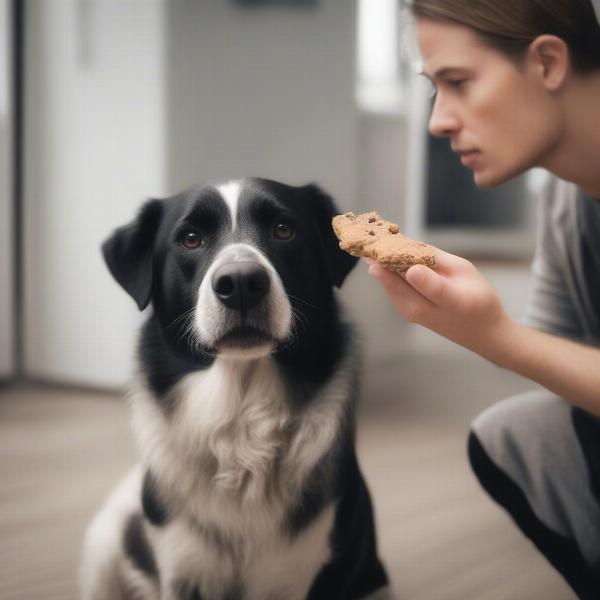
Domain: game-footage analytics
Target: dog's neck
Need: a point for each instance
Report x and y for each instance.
(234, 441)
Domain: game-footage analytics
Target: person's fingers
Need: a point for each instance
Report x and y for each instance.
(410, 304)
(389, 279)
(428, 283)
(384, 275)
(450, 263)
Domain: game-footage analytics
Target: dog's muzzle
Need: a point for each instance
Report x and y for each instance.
(242, 304)
(241, 285)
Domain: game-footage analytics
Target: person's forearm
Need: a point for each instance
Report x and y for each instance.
(456, 301)
(569, 369)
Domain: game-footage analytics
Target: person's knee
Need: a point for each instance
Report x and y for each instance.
(519, 433)
(527, 454)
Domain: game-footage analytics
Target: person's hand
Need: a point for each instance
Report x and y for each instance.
(454, 300)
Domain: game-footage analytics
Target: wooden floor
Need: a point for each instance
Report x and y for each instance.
(440, 536)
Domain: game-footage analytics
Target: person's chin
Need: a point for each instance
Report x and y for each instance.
(486, 178)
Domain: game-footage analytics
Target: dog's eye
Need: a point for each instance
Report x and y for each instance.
(191, 240)
(283, 231)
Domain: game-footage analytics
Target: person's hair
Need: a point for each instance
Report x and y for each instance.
(511, 25)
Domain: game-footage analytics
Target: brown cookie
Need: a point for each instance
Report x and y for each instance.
(370, 236)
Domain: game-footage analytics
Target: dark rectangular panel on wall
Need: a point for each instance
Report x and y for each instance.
(301, 3)
(453, 199)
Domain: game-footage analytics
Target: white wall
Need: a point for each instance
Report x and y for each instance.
(6, 215)
(94, 150)
(263, 91)
(382, 158)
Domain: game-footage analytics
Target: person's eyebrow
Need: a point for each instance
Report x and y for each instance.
(443, 72)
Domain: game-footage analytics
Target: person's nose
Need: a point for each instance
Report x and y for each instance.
(443, 121)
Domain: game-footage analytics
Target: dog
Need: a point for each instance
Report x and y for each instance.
(243, 407)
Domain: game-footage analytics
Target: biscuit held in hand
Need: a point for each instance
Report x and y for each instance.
(368, 235)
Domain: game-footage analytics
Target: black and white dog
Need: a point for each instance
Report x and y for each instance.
(248, 486)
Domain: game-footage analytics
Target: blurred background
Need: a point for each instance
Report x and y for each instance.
(104, 103)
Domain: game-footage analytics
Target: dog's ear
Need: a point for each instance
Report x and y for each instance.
(128, 252)
(337, 262)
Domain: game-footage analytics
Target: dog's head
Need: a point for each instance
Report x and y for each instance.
(229, 268)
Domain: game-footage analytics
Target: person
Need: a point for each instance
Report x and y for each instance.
(518, 86)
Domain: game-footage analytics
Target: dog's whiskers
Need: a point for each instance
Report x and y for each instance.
(181, 317)
(303, 301)
(299, 319)
(190, 334)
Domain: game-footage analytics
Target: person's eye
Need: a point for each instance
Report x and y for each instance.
(283, 230)
(456, 84)
(191, 240)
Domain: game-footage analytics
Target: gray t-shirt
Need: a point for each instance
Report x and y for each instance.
(589, 225)
(565, 295)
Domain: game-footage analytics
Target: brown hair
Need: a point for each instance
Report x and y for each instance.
(511, 25)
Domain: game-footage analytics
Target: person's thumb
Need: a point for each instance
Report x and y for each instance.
(427, 282)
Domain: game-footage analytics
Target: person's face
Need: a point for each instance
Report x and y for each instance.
(498, 116)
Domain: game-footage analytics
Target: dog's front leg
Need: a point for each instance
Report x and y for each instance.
(191, 568)
(181, 590)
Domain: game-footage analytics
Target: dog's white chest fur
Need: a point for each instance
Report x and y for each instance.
(236, 454)
(232, 421)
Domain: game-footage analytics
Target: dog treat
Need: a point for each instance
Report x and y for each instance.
(368, 235)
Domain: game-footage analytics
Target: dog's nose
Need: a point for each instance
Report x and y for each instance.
(240, 285)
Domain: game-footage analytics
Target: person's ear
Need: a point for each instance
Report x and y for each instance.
(550, 57)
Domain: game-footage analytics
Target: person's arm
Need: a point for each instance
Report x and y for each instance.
(457, 302)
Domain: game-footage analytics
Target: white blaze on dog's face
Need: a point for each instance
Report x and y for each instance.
(242, 308)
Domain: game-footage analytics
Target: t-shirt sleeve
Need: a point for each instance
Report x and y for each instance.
(551, 307)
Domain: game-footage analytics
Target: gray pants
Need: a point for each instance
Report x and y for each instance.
(539, 458)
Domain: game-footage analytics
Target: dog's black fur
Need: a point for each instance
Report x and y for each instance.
(149, 260)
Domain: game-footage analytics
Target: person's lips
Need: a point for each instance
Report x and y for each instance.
(468, 157)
